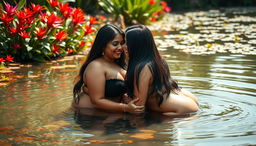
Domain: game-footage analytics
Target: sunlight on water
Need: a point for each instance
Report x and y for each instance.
(35, 109)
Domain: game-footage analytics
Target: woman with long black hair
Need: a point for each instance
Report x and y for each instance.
(148, 77)
(101, 78)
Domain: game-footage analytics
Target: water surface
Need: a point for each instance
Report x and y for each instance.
(35, 108)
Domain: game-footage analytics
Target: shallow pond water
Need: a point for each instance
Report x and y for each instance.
(35, 109)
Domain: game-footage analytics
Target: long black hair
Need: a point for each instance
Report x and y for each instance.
(142, 51)
(105, 34)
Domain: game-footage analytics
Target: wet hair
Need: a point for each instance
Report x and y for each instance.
(105, 34)
(143, 52)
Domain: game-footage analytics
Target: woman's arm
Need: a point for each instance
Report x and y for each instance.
(95, 81)
(141, 92)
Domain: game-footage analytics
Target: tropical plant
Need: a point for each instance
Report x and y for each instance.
(39, 33)
(133, 11)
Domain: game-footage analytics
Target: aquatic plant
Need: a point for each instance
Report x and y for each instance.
(40, 32)
(135, 11)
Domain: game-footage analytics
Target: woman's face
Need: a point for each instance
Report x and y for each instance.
(114, 48)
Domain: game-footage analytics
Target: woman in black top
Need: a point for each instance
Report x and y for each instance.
(101, 77)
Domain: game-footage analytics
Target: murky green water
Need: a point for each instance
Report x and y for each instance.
(35, 109)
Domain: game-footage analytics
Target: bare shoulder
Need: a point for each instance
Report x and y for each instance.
(146, 69)
(146, 72)
(95, 64)
(94, 69)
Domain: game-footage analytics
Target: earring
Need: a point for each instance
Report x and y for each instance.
(102, 53)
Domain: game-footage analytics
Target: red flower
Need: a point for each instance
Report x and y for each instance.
(88, 29)
(70, 51)
(102, 18)
(13, 30)
(65, 9)
(10, 10)
(53, 21)
(53, 3)
(93, 20)
(9, 58)
(2, 60)
(40, 33)
(153, 19)
(151, 2)
(81, 44)
(55, 49)
(77, 16)
(16, 46)
(167, 9)
(24, 14)
(163, 3)
(36, 8)
(21, 26)
(43, 17)
(24, 34)
(6, 19)
(62, 35)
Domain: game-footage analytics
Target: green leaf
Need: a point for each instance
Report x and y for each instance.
(38, 58)
(1, 6)
(67, 1)
(21, 4)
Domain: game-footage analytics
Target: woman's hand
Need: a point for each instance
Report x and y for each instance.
(126, 99)
(132, 108)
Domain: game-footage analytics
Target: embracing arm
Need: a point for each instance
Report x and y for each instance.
(145, 79)
(95, 81)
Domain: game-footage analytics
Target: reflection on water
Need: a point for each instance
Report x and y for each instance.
(35, 109)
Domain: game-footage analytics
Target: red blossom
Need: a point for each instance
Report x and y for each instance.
(55, 49)
(167, 9)
(43, 17)
(40, 33)
(53, 21)
(62, 35)
(93, 20)
(53, 3)
(9, 58)
(163, 3)
(13, 30)
(153, 19)
(24, 14)
(151, 2)
(81, 44)
(88, 29)
(2, 60)
(77, 16)
(16, 46)
(70, 51)
(102, 18)
(6, 19)
(10, 10)
(65, 9)
(36, 8)
(24, 34)
(22, 26)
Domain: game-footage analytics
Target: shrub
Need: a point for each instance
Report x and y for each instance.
(39, 33)
(135, 11)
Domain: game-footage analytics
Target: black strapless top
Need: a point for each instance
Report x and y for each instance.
(115, 88)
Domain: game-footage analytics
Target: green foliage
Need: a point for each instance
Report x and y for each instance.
(132, 10)
(39, 33)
